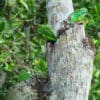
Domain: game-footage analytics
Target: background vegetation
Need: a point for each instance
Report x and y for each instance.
(22, 47)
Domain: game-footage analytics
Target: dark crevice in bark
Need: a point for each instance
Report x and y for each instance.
(43, 88)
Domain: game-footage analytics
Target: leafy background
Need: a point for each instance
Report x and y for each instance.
(22, 46)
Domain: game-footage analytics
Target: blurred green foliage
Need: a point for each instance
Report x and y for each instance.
(22, 48)
(22, 43)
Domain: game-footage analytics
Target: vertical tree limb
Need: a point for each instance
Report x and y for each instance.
(70, 60)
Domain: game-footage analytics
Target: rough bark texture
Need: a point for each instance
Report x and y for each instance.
(33, 89)
(23, 91)
(70, 59)
(57, 11)
(3, 77)
(70, 64)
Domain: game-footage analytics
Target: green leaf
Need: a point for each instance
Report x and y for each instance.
(24, 4)
(2, 25)
(43, 65)
(1, 41)
(9, 67)
(11, 3)
(46, 32)
(24, 75)
(97, 58)
(40, 66)
(97, 9)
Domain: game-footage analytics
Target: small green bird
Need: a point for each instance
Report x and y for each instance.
(47, 33)
(78, 16)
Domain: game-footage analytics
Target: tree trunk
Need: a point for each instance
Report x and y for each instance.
(57, 11)
(70, 59)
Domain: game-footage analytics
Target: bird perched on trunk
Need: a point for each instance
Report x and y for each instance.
(46, 32)
(77, 16)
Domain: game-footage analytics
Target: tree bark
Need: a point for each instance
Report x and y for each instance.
(57, 11)
(70, 59)
(25, 90)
